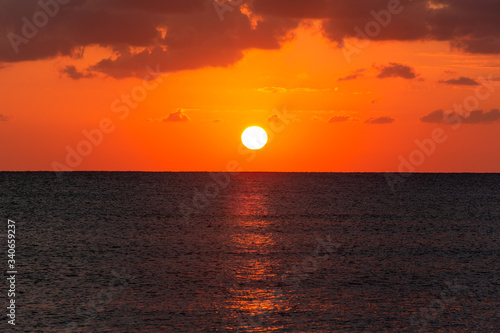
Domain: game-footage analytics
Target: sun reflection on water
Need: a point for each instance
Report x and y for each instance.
(255, 294)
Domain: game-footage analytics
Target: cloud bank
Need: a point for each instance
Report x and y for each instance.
(474, 117)
(188, 34)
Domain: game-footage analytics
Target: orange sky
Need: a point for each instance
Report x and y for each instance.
(44, 111)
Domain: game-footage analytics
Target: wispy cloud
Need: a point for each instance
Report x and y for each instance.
(309, 90)
(380, 120)
(272, 90)
(176, 116)
(353, 75)
(274, 118)
(338, 119)
(396, 70)
(461, 81)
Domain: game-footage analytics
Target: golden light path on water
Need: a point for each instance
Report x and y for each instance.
(255, 295)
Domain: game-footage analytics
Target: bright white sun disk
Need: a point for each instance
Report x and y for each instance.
(254, 137)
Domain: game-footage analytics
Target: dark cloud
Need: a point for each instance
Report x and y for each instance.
(468, 25)
(434, 117)
(4, 118)
(73, 73)
(380, 120)
(176, 116)
(480, 117)
(188, 34)
(396, 70)
(338, 119)
(353, 76)
(474, 117)
(175, 34)
(349, 77)
(297, 9)
(462, 81)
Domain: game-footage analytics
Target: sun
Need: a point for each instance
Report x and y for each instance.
(254, 137)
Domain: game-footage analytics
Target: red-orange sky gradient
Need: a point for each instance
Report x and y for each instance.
(171, 85)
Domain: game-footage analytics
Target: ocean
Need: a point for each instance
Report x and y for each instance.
(252, 252)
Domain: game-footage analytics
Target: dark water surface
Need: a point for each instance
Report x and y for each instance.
(254, 252)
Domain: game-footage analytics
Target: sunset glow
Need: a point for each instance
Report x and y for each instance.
(173, 92)
(250, 165)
